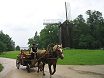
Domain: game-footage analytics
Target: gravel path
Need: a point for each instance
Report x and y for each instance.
(63, 71)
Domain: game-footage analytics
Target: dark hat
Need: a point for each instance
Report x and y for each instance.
(33, 44)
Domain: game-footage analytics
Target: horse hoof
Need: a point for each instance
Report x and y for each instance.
(43, 74)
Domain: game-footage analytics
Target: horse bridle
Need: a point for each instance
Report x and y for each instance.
(57, 50)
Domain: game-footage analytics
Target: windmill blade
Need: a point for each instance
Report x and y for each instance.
(51, 21)
(68, 11)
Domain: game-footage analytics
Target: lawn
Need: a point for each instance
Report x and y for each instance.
(73, 57)
(83, 57)
(11, 54)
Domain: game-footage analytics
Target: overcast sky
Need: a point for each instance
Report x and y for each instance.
(20, 19)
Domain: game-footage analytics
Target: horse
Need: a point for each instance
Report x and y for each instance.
(50, 58)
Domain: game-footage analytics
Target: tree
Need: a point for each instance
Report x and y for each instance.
(89, 34)
(80, 29)
(49, 35)
(6, 42)
(85, 41)
(2, 47)
(30, 41)
(34, 40)
(17, 48)
(95, 21)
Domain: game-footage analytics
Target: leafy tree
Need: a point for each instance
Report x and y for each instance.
(95, 21)
(85, 41)
(2, 46)
(6, 43)
(49, 35)
(79, 28)
(31, 41)
(89, 34)
(17, 48)
(34, 40)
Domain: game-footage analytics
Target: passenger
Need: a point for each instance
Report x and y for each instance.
(22, 57)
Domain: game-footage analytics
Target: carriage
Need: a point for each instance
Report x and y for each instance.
(48, 56)
(24, 58)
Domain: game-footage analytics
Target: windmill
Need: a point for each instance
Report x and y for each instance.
(66, 28)
(64, 32)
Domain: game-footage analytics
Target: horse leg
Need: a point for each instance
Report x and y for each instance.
(54, 67)
(50, 71)
(38, 66)
(43, 69)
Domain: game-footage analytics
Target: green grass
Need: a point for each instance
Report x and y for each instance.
(83, 57)
(1, 67)
(72, 57)
(11, 54)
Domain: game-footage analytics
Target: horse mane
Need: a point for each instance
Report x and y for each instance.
(54, 48)
(50, 47)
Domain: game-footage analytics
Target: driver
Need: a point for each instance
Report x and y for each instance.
(33, 51)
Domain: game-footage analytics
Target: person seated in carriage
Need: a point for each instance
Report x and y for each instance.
(22, 56)
(34, 51)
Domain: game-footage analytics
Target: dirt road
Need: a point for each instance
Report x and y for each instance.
(63, 71)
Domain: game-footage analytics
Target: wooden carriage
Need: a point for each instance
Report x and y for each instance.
(24, 58)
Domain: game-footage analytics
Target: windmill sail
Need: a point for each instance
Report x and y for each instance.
(51, 21)
(68, 11)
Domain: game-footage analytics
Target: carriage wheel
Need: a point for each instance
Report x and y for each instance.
(17, 64)
(28, 68)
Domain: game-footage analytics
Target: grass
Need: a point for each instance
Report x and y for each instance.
(1, 67)
(11, 54)
(72, 57)
(82, 57)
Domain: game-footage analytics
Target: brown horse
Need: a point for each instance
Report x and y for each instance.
(50, 58)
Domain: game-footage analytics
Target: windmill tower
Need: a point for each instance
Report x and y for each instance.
(66, 29)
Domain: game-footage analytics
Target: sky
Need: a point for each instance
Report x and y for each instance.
(20, 19)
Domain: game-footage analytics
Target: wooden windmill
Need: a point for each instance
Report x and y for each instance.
(66, 29)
